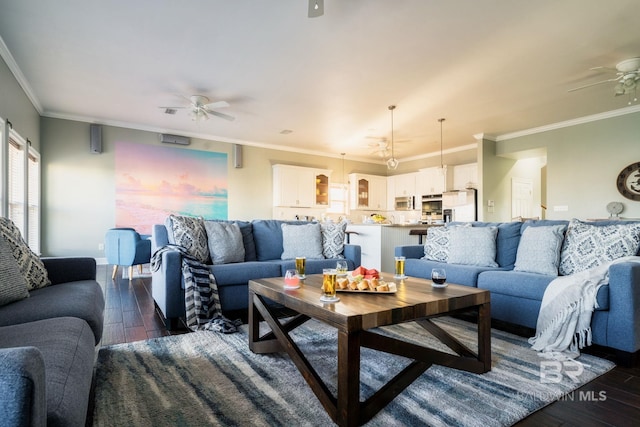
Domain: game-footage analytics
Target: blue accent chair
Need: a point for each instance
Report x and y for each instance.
(125, 247)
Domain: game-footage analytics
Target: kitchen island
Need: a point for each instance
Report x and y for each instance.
(378, 241)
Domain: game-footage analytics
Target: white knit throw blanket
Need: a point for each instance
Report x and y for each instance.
(564, 321)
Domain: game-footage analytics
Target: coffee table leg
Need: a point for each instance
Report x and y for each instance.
(348, 379)
(484, 335)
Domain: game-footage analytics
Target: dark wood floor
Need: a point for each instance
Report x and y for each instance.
(610, 400)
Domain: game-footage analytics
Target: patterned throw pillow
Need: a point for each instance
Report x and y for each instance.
(473, 246)
(539, 249)
(225, 242)
(31, 266)
(333, 239)
(301, 240)
(13, 287)
(587, 245)
(436, 246)
(189, 232)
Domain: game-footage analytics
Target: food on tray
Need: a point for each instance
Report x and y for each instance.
(342, 283)
(365, 273)
(383, 288)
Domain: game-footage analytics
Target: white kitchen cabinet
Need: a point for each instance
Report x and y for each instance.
(465, 176)
(295, 186)
(405, 184)
(368, 192)
(432, 181)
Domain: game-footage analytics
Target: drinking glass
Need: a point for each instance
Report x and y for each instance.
(439, 277)
(291, 279)
(329, 285)
(400, 268)
(341, 268)
(300, 265)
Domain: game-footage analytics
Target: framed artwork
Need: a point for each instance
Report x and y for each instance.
(153, 182)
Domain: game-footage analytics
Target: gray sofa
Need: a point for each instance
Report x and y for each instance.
(516, 296)
(263, 249)
(48, 346)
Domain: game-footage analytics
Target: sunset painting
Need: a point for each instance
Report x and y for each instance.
(153, 182)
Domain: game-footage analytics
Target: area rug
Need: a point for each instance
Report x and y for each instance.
(210, 379)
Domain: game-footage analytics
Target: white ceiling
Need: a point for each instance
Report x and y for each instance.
(487, 66)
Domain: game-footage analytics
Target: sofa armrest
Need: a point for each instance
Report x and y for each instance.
(353, 253)
(624, 306)
(70, 269)
(167, 286)
(22, 387)
(410, 251)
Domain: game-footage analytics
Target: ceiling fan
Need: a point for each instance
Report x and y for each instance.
(627, 78)
(201, 108)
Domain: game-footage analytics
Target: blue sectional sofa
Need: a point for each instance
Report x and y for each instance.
(516, 296)
(48, 347)
(263, 250)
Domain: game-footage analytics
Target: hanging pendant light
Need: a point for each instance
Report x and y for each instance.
(392, 163)
(443, 167)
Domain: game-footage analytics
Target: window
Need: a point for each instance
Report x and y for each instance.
(20, 179)
(338, 199)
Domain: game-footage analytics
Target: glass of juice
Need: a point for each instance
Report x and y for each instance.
(329, 285)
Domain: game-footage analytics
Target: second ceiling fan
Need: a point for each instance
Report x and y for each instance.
(201, 108)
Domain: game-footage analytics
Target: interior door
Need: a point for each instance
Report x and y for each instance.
(521, 198)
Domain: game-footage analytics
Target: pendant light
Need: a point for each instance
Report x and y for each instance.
(443, 167)
(392, 163)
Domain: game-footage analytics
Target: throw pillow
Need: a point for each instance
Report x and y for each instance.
(189, 232)
(436, 245)
(333, 239)
(301, 240)
(13, 287)
(539, 249)
(225, 242)
(588, 245)
(31, 266)
(473, 246)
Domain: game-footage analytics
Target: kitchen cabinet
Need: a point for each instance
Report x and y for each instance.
(404, 185)
(296, 186)
(465, 176)
(432, 181)
(368, 192)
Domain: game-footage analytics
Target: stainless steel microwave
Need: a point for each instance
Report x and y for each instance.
(406, 203)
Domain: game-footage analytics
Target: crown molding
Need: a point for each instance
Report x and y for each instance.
(569, 123)
(17, 73)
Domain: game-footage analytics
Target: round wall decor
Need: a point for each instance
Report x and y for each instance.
(629, 182)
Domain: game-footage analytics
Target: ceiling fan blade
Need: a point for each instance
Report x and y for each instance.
(218, 104)
(221, 115)
(594, 84)
(316, 8)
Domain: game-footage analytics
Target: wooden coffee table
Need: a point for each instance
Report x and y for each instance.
(353, 316)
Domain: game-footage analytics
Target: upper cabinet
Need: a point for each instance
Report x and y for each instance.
(405, 184)
(368, 192)
(465, 176)
(433, 181)
(300, 187)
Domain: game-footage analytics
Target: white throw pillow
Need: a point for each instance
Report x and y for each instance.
(301, 240)
(587, 245)
(225, 242)
(539, 249)
(436, 245)
(333, 239)
(473, 246)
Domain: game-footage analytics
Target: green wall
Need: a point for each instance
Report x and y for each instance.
(582, 164)
(16, 107)
(79, 187)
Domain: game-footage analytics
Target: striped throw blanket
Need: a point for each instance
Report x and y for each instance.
(202, 303)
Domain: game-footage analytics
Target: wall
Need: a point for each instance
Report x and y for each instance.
(583, 163)
(16, 107)
(79, 187)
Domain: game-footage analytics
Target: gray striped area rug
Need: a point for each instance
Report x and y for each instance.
(210, 379)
